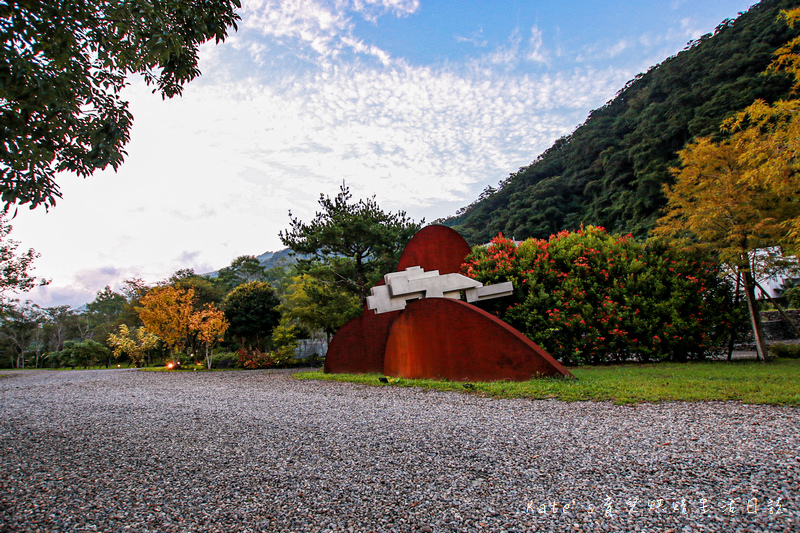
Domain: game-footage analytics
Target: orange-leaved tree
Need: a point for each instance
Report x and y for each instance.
(210, 325)
(167, 312)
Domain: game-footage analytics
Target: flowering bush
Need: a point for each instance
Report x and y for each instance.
(592, 297)
(253, 359)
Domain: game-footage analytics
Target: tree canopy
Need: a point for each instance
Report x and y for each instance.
(251, 310)
(62, 68)
(742, 194)
(356, 242)
(243, 269)
(319, 304)
(167, 313)
(15, 268)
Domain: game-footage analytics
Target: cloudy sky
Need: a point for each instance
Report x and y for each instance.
(421, 103)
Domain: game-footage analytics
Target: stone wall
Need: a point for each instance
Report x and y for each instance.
(776, 328)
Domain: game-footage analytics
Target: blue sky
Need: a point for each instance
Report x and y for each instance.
(421, 103)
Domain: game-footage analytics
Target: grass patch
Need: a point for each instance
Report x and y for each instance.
(776, 383)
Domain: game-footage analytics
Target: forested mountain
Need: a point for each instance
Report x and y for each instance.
(610, 170)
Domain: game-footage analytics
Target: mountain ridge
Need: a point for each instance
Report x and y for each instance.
(610, 170)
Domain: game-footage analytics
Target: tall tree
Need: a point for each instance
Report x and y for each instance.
(251, 310)
(714, 203)
(20, 324)
(63, 66)
(768, 136)
(210, 325)
(167, 313)
(356, 241)
(60, 324)
(104, 313)
(742, 194)
(243, 269)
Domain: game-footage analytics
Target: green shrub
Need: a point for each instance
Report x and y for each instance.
(225, 360)
(792, 295)
(785, 351)
(79, 353)
(592, 297)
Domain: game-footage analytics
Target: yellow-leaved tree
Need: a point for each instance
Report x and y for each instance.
(134, 345)
(210, 325)
(742, 194)
(714, 203)
(768, 138)
(167, 312)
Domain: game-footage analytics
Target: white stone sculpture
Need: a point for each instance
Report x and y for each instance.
(414, 283)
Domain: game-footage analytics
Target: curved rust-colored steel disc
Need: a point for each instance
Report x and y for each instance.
(440, 338)
(435, 248)
(359, 345)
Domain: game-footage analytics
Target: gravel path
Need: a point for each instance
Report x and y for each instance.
(127, 450)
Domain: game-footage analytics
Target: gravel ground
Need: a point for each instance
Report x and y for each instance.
(126, 450)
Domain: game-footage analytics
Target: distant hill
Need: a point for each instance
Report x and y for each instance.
(268, 260)
(280, 258)
(610, 170)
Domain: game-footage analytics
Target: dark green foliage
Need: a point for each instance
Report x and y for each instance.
(222, 360)
(103, 314)
(355, 242)
(251, 309)
(610, 170)
(592, 297)
(785, 351)
(62, 67)
(206, 291)
(243, 269)
(792, 294)
(82, 353)
(20, 325)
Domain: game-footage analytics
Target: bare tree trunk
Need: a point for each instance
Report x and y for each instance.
(755, 316)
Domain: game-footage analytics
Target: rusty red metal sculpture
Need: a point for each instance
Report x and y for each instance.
(439, 338)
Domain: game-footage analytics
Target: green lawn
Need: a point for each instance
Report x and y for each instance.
(775, 382)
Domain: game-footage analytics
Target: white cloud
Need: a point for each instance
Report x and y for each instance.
(476, 39)
(372, 9)
(617, 48)
(321, 26)
(507, 54)
(212, 175)
(693, 29)
(536, 50)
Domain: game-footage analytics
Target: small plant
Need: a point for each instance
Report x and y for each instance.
(785, 351)
(254, 359)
